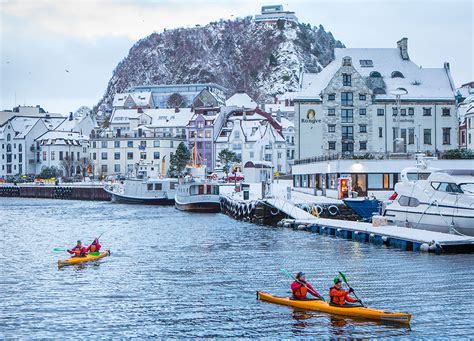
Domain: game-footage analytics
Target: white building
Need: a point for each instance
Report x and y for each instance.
(273, 13)
(253, 136)
(465, 97)
(137, 136)
(349, 107)
(28, 111)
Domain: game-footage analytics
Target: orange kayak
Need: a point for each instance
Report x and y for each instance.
(319, 305)
(79, 260)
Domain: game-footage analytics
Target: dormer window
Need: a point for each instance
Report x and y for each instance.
(347, 61)
(366, 63)
(375, 74)
(397, 74)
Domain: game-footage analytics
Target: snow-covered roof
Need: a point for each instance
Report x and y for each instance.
(160, 117)
(141, 99)
(241, 99)
(119, 100)
(254, 130)
(420, 83)
(286, 123)
(58, 137)
(272, 107)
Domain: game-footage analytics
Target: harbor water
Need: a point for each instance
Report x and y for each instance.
(178, 274)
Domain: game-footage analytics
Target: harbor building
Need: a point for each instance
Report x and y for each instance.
(138, 136)
(375, 101)
(465, 97)
(272, 13)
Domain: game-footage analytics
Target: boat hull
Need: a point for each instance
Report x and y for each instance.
(319, 305)
(204, 207)
(141, 201)
(365, 208)
(80, 260)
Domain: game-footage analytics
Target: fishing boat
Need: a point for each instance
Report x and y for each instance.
(148, 186)
(195, 192)
(151, 191)
(353, 311)
(444, 202)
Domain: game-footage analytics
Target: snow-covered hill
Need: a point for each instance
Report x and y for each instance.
(262, 59)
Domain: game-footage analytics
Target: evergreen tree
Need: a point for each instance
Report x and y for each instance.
(179, 160)
(226, 158)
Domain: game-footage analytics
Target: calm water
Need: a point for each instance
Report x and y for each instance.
(175, 274)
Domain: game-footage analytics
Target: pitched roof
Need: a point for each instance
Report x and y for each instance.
(241, 99)
(420, 83)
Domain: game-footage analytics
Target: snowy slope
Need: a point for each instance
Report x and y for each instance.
(262, 59)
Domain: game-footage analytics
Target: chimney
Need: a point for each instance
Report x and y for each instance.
(402, 45)
(176, 109)
(70, 116)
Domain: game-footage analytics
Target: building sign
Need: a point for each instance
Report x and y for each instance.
(311, 117)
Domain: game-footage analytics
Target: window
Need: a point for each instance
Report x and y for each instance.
(237, 134)
(52, 156)
(362, 128)
(94, 145)
(366, 63)
(347, 116)
(346, 98)
(397, 74)
(143, 155)
(130, 144)
(117, 168)
(171, 144)
(347, 147)
(446, 135)
(347, 132)
(104, 144)
(403, 112)
(44, 156)
(375, 181)
(104, 168)
(375, 74)
(94, 156)
(208, 134)
(427, 136)
(129, 155)
(116, 144)
(380, 132)
(149, 187)
(446, 112)
(156, 143)
(158, 187)
(408, 201)
(116, 156)
(156, 155)
(380, 112)
(104, 156)
(251, 155)
(363, 145)
(411, 111)
(362, 97)
(331, 112)
(426, 111)
(61, 156)
(394, 111)
(346, 79)
(411, 135)
(362, 112)
(331, 128)
(279, 155)
(143, 144)
(332, 145)
(331, 97)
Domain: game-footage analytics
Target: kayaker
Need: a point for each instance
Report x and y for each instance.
(339, 296)
(300, 287)
(78, 250)
(94, 247)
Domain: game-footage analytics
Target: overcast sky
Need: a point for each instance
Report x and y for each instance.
(60, 54)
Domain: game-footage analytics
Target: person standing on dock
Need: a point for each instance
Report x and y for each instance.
(300, 287)
(338, 295)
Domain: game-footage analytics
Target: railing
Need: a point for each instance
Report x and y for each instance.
(317, 159)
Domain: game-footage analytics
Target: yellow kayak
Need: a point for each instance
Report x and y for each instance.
(79, 260)
(319, 305)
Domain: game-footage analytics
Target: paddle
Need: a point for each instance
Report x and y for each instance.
(58, 249)
(345, 281)
(286, 272)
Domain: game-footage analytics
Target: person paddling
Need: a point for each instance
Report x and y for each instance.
(94, 247)
(78, 250)
(300, 287)
(339, 296)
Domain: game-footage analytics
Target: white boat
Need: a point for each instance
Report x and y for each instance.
(151, 191)
(444, 202)
(196, 193)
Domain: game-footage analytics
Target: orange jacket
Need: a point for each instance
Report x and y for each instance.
(340, 296)
(299, 290)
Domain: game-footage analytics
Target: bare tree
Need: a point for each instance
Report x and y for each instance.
(67, 163)
(176, 101)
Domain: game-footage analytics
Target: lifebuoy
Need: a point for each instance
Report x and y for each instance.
(214, 176)
(333, 210)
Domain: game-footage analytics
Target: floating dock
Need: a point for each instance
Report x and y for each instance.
(71, 192)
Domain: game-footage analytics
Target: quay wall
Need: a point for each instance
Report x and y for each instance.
(92, 193)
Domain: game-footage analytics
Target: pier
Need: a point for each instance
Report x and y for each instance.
(63, 191)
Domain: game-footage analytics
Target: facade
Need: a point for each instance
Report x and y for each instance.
(273, 13)
(138, 136)
(254, 136)
(465, 108)
(350, 108)
(288, 131)
(205, 92)
(469, 126)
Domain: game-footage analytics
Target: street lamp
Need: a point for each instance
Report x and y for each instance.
(398, 142)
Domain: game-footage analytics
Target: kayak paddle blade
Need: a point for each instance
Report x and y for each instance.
(343, 277)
